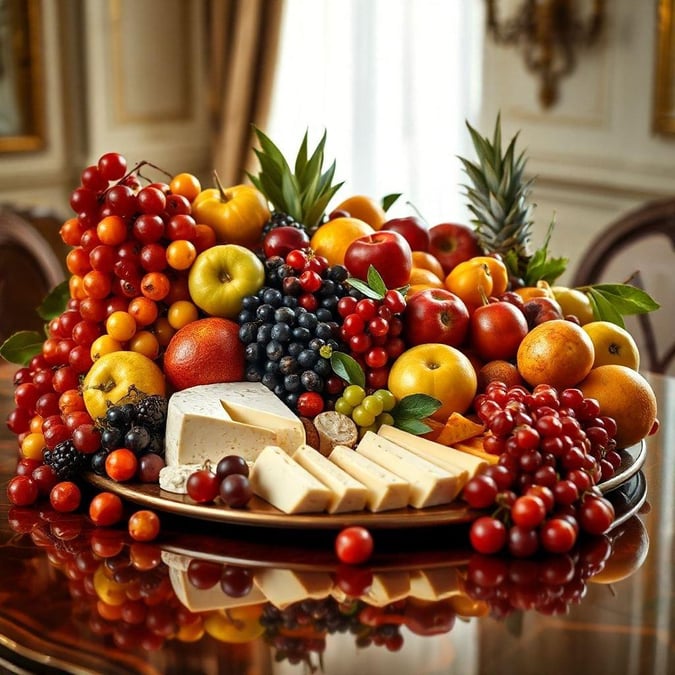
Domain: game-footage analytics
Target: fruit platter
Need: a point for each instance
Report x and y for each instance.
(276, 354)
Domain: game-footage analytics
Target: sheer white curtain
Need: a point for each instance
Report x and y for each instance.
(392, 82)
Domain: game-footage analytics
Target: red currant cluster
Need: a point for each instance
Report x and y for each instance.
(554, 449)
(372, 330)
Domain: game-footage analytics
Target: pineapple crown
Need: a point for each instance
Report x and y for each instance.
(498, 198)
(302, 192)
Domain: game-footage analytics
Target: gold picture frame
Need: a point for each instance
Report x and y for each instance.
(664, 81)
(22, 121)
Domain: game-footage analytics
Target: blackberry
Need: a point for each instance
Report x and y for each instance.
(151, 413)
(280, 219)
(66, 460)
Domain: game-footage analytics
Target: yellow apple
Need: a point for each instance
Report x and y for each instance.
(110, 378)
(613, 345)
(574, 301)
(235, 625)
(221, 276)
(438, 370)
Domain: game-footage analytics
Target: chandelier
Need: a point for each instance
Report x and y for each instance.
(548, 33)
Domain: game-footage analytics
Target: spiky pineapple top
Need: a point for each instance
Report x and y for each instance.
(303, 193)
(498, 199)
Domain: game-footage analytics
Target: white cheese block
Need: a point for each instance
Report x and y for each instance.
(437, 453)
(203, 599)
(174, 478)
(435, 583)
(280, 480)
(386, 490)
(283, 587)
(387, 587)
(430, 484)
(348, 494)
(214, 420)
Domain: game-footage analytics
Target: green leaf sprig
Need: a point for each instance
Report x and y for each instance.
(540, 267)
(374, 287)
(23, 345)
(408, 413)
(611, 302)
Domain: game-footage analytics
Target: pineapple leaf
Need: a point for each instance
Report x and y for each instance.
(301, 158)
(290, 196)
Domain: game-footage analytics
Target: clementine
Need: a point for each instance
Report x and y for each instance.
(364, 208)
(423, 278)
(557, 352)
(437, 370)
(333, 238)
(205, 351)
(626, 396)
(427, 261)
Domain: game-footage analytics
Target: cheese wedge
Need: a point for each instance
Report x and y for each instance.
(387, 587)
(203, 599)
(281, 481)
(434, 452)
(386, 490)
(348, 494)
(435, 584)
(283, 587)
(214, 420)
(430, 484)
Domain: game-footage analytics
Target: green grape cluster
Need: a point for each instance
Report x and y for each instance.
(370, 411)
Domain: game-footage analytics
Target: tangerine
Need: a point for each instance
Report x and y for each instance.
(333, 238)
(498, 371)
(626, 396)
(428, 261)
(364, 208)
(557, 352)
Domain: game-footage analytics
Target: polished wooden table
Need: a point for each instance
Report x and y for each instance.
(82, 600)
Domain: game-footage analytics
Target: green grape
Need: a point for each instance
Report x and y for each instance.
(387, 398)
(354, 394)
(363, 430)
(373, 404)
(362, 417)
(384, 418)
(343, 407)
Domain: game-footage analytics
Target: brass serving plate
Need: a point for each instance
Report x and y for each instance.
(262, 514)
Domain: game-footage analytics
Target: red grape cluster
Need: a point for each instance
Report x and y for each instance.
(554, 449)
(372, 330)
(229, 482)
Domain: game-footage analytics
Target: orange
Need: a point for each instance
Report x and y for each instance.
(557, 352)
(333, 238)
(438, 370)
(205, 351)
(498, 371)
(424, 278)
(364, 208)
(427, 261)
(626, 396)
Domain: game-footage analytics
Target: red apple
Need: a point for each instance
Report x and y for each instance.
(388, 252)
(412, 229)
(497, 330)
(453, 243)
(435, 315)
(282, 240)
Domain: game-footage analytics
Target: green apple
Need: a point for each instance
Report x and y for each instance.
(221, 276)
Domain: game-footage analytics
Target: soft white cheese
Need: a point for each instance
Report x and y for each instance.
(283, 587)
(278, 479)
(386, 490)
(347, 493)
(430, 484)
(174, 478)
(214, 420)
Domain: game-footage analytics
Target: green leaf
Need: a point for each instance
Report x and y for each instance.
(376, 282)
(603, 309)
(542, 268)
(55, 303)
(364, 288)
(389, 200)
(413, 426)
(347, 368)
(21, 347)
(626, 299)
(415, 406)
